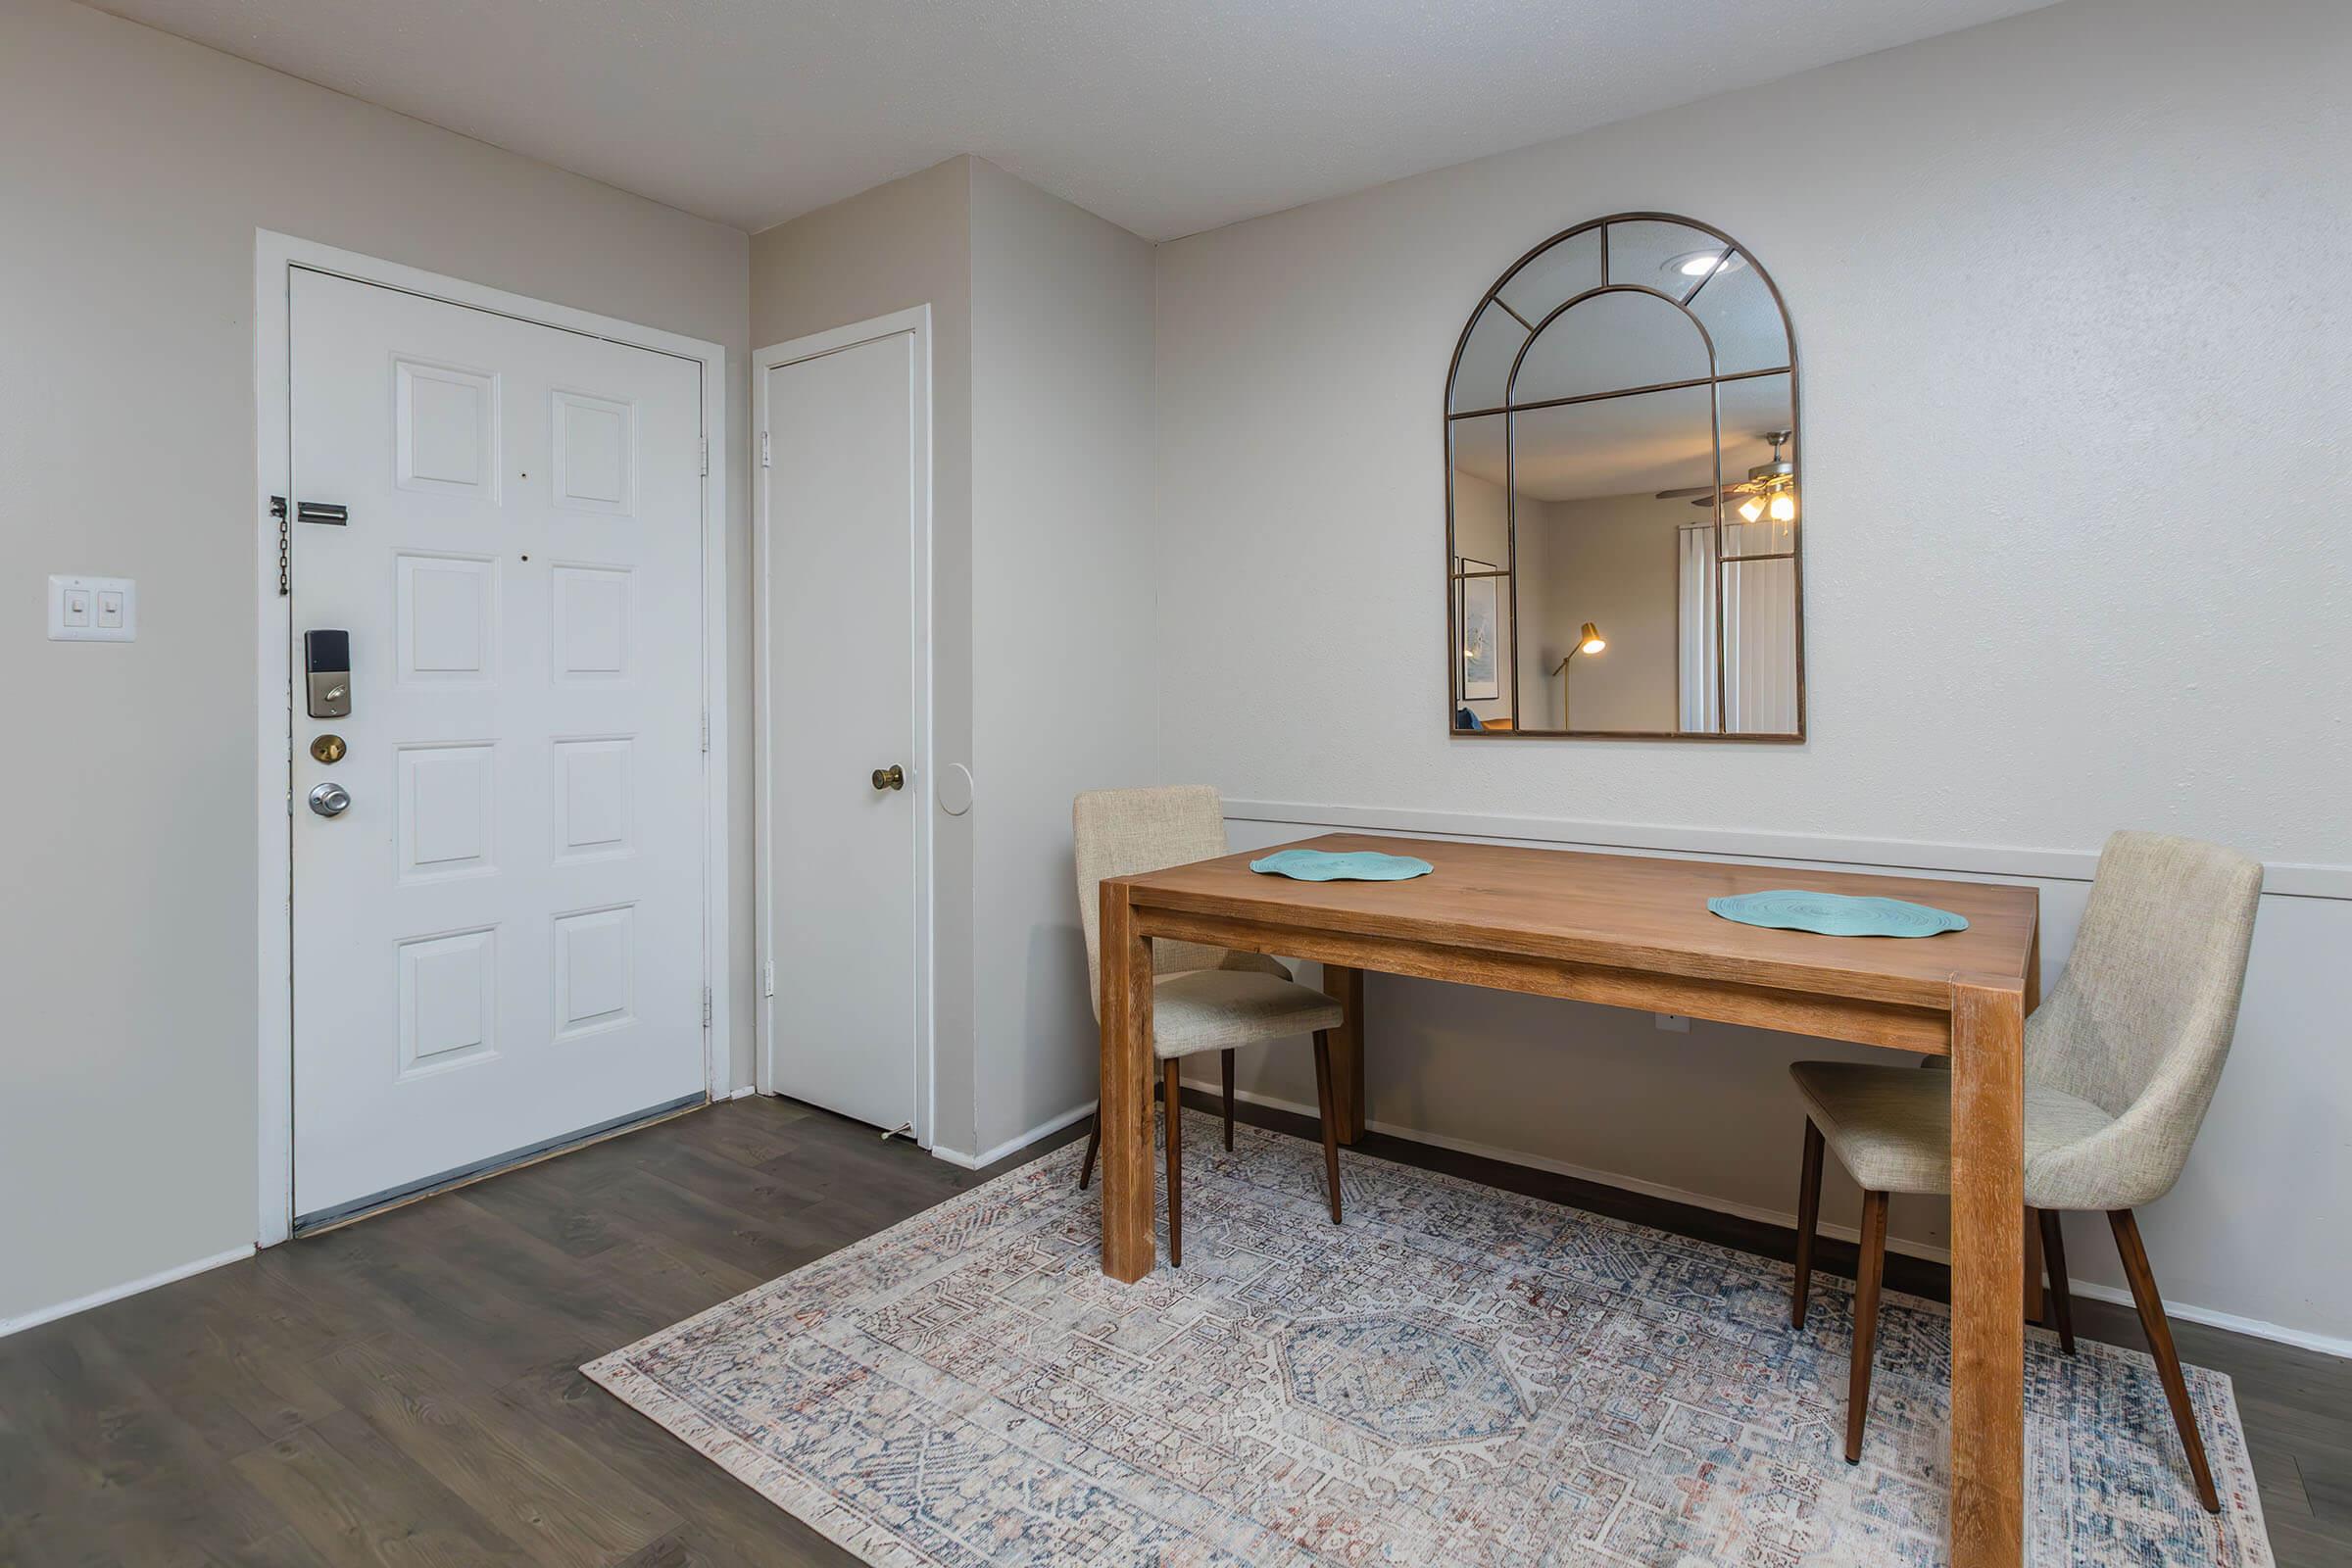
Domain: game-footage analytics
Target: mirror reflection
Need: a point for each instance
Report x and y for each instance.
(1624, 503)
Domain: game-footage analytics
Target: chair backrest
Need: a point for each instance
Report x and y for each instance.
(1124, 832)
(2141, 1021)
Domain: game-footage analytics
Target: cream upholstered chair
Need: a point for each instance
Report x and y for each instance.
(1203, 998)
(2121, 1063)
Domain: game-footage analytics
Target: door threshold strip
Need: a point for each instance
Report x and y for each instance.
(327, 1219)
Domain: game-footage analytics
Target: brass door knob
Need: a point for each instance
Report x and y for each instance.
(328, 748)
(893, 777)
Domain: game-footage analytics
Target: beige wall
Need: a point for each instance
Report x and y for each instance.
(1610, 559)
(1481, 531)
(137, 169)
(1062, 651)
(2028, 265)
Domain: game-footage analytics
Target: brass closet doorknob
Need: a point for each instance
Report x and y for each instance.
(893, 777)
(328, 748)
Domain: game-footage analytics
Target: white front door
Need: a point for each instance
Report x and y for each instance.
(498, 942)
(846, 441)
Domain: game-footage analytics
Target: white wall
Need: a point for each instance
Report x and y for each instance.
(1062, 670)
(137, 169)
(2040, 272)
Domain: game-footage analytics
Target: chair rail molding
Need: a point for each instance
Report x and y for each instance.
(2293, 879)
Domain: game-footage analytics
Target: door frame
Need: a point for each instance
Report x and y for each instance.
(916, 323)
(276, 257)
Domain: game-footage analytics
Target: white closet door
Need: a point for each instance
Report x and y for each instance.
(843, 452)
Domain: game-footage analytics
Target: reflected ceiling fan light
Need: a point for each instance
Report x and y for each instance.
(1751, 508)
(1698, 264)
(1784, 507)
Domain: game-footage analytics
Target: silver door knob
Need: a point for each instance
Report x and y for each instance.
(330, 800)
(893, 777)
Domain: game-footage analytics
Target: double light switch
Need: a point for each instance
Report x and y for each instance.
(93, 609)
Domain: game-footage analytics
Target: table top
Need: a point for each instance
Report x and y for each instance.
(1621, 912)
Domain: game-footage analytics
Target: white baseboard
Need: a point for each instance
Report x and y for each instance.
(2251, 1327)
(116, 1292)
(745, 1093)
(2280, 878)
(1043, 1129)
(2186, 1311)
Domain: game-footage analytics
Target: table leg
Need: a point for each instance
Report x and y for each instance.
(1988, 1335)
(1128, 1250)
(1346, 988)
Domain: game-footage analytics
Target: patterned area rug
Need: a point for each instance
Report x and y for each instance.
(1456, 1375)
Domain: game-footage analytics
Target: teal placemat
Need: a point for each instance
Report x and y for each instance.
(1836, 914)
(1359, 865)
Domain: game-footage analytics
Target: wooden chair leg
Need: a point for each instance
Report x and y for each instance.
(1808, 1219)
(2036, 1302)
(1094, 1146)
(1331, 1127)
(1228, 1065)
(1870, 1269)
(1173, 1113)
(2159, 1331)
(2062, 1303)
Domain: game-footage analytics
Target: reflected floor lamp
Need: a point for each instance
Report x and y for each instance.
(1587, 640)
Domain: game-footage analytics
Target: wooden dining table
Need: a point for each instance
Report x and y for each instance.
(1632, 931)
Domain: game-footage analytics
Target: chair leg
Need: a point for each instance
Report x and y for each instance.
(1094, 1146)
(1331, 1130)
(1808, 1219)
(1228, 1065)
(2159, 1331)
(1174, 1114)
(1869, 1269)
(2062, 1303)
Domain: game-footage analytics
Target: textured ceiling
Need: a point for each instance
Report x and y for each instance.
(1165, 115)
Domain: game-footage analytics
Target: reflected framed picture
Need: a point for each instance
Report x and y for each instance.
(1475, 615)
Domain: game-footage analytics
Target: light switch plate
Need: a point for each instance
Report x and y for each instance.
(93, 609)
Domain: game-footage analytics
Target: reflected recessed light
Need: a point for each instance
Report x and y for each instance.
(1698, 264)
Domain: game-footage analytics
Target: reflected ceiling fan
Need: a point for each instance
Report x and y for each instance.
(1770, 487)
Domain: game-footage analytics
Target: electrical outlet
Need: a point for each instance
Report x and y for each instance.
(93, 609)
(1674, 1023)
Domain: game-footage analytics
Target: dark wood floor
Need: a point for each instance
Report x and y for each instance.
(406, 1390)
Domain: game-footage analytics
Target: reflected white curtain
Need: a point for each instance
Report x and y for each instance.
(1759, 630)
(1695, 630)
(1758, 605)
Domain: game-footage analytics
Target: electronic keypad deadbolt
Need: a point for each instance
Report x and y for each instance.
(326, 665)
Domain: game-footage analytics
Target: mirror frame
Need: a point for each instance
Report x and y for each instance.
(1713, 382)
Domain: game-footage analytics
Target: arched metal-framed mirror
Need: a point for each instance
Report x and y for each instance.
(1623, 497)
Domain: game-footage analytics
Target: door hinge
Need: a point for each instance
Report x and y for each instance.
(767, 978)
(763, 451)
(285, 570)
(706, 730)
(706, 454)
(705, 1006)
